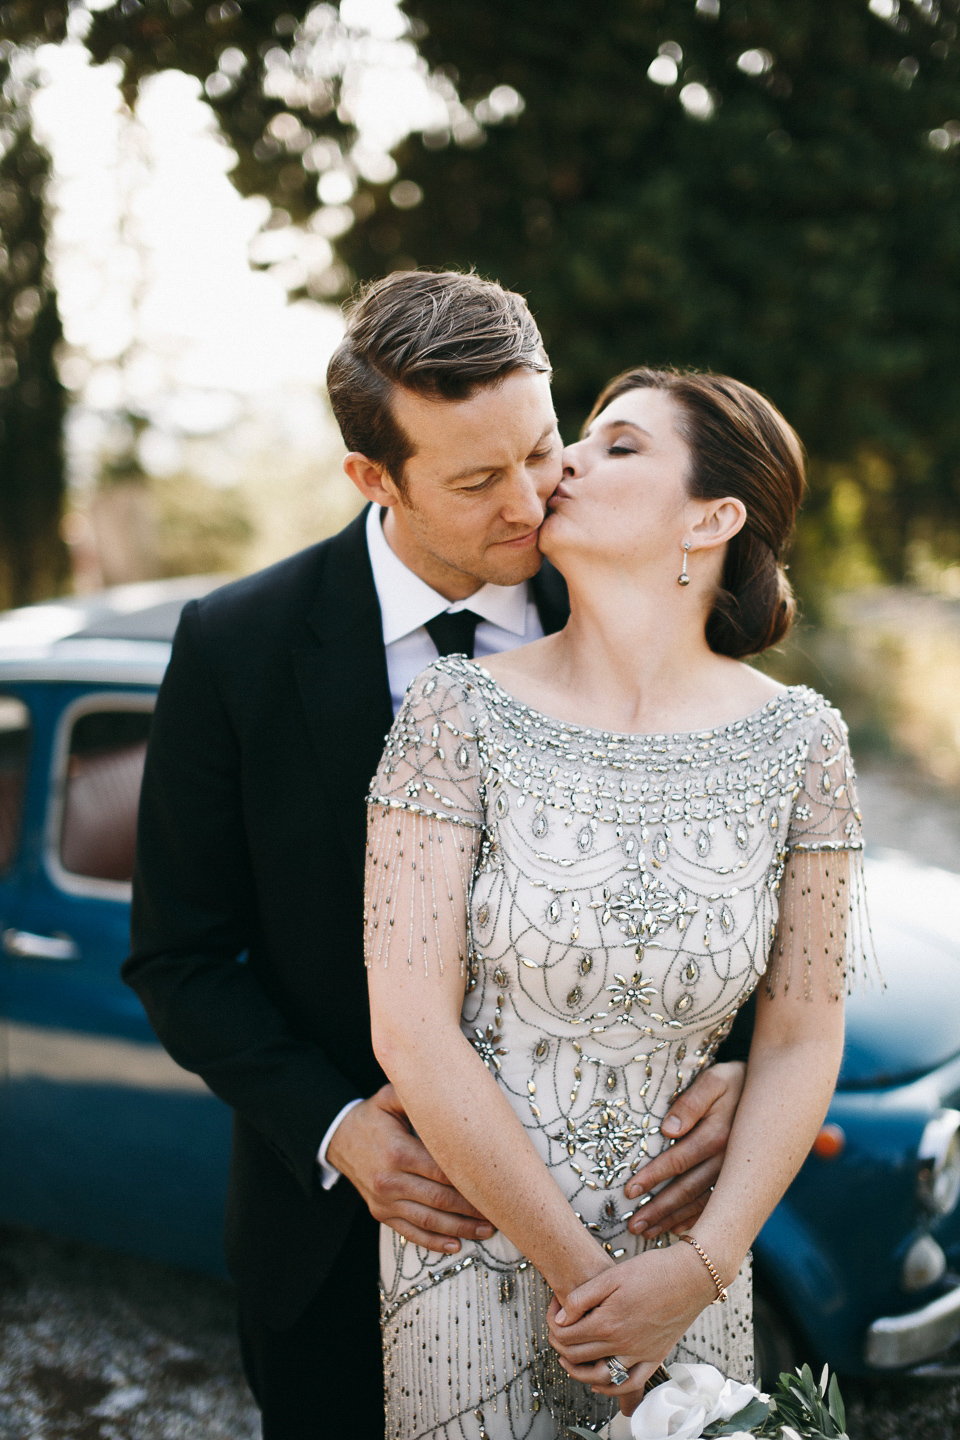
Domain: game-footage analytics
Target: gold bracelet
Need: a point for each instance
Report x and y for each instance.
(721, 1292)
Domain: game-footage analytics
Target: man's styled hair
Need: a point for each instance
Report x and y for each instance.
(441, 334)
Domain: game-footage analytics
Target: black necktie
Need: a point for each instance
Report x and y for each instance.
(453, 634)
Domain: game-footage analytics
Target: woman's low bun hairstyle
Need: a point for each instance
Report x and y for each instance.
(740, 446)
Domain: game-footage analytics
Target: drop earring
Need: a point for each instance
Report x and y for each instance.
(683, 578)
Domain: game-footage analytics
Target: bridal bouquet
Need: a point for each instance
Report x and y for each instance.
(698, 1403)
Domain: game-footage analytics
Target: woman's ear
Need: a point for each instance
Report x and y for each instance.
(371, 479)
(719, 521)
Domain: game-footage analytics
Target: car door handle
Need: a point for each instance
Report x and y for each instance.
(39, 947)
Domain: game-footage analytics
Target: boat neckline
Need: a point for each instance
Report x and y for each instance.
(636, 735)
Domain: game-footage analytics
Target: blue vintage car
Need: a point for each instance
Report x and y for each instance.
(104, 1138)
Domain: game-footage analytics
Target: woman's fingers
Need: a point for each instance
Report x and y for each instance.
(587, 1297)
(597, 1376)
(585, 1353)
(596, 1326)
(595, 1373)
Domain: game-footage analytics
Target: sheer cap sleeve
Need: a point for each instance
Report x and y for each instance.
(823, 942)
(825, 813)
(425, 825)
(431, 762)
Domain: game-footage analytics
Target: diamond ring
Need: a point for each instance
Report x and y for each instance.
(619, 1374)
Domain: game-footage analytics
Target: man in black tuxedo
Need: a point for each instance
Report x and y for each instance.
(247, 936)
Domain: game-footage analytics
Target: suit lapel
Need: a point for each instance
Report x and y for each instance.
(342, 674)
(550, 597)
(343, 682)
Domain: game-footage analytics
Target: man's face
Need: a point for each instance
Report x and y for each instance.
(475, 489)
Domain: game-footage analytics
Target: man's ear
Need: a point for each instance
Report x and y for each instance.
(371, 479)
(719, 521)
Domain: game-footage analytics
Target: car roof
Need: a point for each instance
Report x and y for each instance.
(118, 635)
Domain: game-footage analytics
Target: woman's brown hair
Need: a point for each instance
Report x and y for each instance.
(740, 446)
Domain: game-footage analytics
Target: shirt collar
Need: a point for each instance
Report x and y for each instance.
(407, 602)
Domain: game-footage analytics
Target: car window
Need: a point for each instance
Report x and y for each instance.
(14, 755)
(102, 787)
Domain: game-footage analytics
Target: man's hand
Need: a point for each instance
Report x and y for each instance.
(375, 1149)
(703, 1116)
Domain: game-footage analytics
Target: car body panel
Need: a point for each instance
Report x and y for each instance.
(860, 1210)
(104, 1138)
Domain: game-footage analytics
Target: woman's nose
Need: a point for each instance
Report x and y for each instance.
(571, 460)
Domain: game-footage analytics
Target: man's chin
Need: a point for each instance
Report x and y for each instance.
(510, 570)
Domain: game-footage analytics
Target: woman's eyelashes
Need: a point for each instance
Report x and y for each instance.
(620, 450)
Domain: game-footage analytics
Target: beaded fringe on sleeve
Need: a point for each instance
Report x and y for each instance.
(419, 871)
(424, 826)
(823, 942)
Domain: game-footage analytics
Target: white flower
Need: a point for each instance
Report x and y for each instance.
(694, 1397)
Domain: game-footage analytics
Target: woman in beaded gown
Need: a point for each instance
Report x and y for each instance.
(581, 862)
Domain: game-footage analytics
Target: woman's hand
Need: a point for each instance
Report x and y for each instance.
(636, 1311)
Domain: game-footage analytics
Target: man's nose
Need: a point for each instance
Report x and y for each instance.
(524, 504)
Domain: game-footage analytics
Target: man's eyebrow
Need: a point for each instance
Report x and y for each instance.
(489, 469)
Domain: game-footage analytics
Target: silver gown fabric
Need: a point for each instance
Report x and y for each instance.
(616, 899)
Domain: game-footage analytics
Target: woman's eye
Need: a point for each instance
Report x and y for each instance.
(620, 450)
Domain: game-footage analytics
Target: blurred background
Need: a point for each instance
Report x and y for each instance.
(766, 187)
(188, 191)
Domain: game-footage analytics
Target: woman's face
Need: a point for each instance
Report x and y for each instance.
(623, 496)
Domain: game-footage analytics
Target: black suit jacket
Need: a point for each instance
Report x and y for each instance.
(248, 891)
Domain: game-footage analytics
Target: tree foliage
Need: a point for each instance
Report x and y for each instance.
(805, 237)
(765, 187)
(33, 561)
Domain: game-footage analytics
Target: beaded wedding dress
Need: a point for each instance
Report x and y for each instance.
(616, 899)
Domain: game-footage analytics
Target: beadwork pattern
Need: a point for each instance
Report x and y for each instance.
(616, 899)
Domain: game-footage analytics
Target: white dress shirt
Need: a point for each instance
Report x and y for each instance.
(508, 618)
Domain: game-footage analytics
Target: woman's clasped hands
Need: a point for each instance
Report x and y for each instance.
(635, 1311)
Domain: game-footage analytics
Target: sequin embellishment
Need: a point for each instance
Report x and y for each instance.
(613, 899)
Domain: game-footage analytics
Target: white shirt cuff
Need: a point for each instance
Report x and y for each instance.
(328, 1175)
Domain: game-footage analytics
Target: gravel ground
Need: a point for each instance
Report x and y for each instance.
(95, 1346)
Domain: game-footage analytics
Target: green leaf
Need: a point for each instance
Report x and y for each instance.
(837, 1407)
(752, 1415)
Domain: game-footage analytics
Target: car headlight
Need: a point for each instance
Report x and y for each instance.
(938, 1163)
